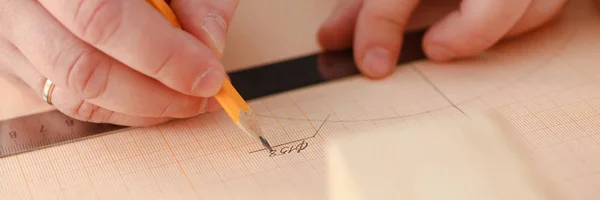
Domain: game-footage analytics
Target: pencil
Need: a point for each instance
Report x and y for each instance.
(228, 97)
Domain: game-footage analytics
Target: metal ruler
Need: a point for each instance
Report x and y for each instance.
(41, 130)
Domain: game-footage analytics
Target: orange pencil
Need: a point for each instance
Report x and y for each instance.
(229, 98)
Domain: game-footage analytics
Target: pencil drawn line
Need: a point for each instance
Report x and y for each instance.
(314, 135)
(321, 126)
(435, 87)
(522, 77)
(386, 118)
(350, 120)
(525, 75)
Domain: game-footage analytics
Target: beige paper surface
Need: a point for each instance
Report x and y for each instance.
(546, 84)
(462, 158)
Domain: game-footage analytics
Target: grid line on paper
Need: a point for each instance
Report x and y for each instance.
(144, 154)
(298, 140)
(276, 120)
(419, 113)
(503, 87)
(426, 79)
(303, 114)
(346, 129)
(178, 164)
(362, 110)
(112, 161)
(561, 124)
(235, 152)
(556, 140)
(250, 174)
(212, 166)
(365, 112)
(395, 116)
(56, 176)
(24, 177)
(138, 146)
(85, 171)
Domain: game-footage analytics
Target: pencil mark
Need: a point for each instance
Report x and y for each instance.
(4, 151)
(349, 120)
(302, 139)
(516, 80)
(289, 149)
(435, 87)
(528, 74)
(321, 126)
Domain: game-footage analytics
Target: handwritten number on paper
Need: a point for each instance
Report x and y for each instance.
(13, 134)
(292, 148)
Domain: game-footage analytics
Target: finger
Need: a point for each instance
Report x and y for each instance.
(9, 63)
(207, 20)
(379, 30)
(86, 111)
(429, 12)
(212, 105)
(539, 12)
(6, 49)
(476, 26)
(136, 34)
(337, 31)
(88, 73)
(65, 101)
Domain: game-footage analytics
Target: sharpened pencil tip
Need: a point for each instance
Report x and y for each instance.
(265, 143)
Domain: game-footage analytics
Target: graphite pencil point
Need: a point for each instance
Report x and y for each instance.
(265, 143)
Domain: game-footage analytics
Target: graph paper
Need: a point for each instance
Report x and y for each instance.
(553, 102)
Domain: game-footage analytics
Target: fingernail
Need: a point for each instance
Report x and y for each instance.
(437, 52)
(209, 82)
(215, 26)
(378, 62)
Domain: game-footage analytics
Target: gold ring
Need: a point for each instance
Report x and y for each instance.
(48, 88)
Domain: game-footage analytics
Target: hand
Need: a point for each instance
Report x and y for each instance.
(118, 62)
(374, 28)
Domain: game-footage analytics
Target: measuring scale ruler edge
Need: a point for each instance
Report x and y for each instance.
(52, 128)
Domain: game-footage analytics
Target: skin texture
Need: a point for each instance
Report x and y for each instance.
(459, 29)
(103, 70)
(121, 62)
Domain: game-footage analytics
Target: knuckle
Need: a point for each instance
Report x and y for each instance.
(159, 69)
(84, 111)
(89, 112)
(181, 106)
(180, 67)
(390, 20)
(97, 23)
(88, 75)
(165, 110)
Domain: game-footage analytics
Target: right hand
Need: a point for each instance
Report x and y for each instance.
(456, 29)
(118, 62)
